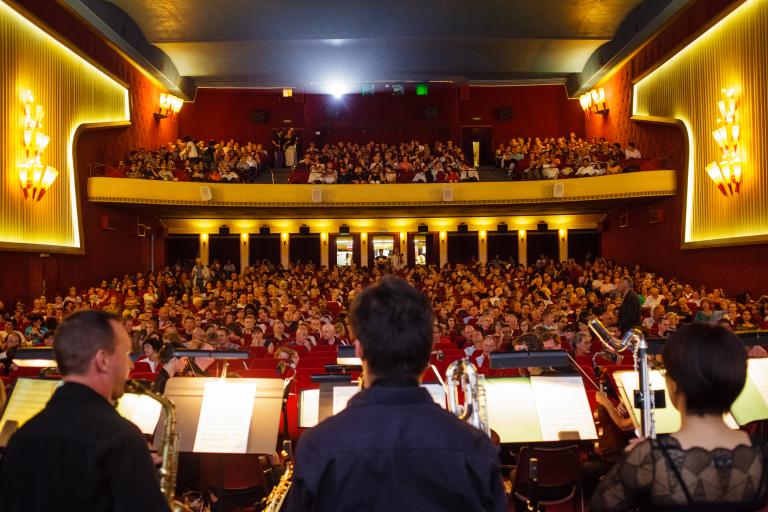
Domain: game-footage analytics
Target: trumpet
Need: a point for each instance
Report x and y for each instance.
(464, 374)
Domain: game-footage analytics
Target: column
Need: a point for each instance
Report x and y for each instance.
(403, 250)
(522, 246)
(244, 250)
(204, 248)
(363, 249)
(324, 249)
(562, 238)
(443, 248)
(482, 246)
(285, 255)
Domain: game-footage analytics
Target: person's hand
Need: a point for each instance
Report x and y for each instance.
(602, 399)
(622, 410)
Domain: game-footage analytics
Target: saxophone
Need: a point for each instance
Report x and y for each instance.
(170, 448)
(274, 502)
(474, 410)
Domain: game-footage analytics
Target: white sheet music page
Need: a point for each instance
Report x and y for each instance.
(511, 410)
(563, 408)
(666, 419)
(141, 410)
(225, 417)
(437, 392)
(341, 395)
(757, 372)
(309, 408)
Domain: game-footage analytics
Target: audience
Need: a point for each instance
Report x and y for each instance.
(375, 162)
(565, 157)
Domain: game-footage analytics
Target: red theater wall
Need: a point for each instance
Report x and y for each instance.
(534, 110)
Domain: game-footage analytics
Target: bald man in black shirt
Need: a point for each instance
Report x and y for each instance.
(79, 454)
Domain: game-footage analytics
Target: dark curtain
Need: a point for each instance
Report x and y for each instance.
(264, 247)
(184, 248)
(462, 247)
(304, 248)
(224, 248)
(583, 243)
(503, 245)
(539, 243)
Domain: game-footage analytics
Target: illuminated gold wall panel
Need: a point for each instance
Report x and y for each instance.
(685, 90)
(76, 95)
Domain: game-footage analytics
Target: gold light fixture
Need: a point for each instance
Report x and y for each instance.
(169, 106)
(34, 178)
(727, 173)
(594, 101)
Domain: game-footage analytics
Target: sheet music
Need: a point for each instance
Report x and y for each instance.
(309, 408)
(563, 408)
(341, 395)
(437, 392)
(667, 419)
(511, 410)
(752, 404)
(141, 410)
(29, 397)
(225, 417)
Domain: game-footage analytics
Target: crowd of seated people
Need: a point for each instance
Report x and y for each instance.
(194, 160)
(567, 157)
(478, 308)
(407, 162)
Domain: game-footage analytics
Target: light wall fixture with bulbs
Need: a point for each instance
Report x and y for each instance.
(727, 173)
(35, 178)
(594, 101)
(170, 105)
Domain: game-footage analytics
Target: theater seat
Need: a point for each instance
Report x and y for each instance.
(559, 478)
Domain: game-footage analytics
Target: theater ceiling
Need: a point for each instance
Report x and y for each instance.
(309, 44)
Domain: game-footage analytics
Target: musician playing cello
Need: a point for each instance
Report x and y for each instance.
(393, 448)
(79, 454)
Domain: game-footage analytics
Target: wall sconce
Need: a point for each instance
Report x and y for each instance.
(285, 238)
(244, 238)
(169, 105)
(403, 238)
(727, 175)
(363, 236)
(521, 234)
(323, 237)
(562, 235)
(34, 178)
(482, 236)
(594, 101)
(442, 236)
(204, 238)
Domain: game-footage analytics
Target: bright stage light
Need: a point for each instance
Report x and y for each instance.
(337, 90)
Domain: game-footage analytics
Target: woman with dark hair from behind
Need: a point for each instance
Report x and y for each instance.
(705, 466)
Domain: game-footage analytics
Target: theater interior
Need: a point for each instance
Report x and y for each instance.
(549, 138)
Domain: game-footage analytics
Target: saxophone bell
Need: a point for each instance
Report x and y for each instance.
(463, 374)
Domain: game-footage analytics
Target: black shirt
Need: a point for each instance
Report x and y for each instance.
(78, 454)
(629, 312)
(394, 449)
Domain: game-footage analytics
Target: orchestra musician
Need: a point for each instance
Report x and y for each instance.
(704, 466)
(78, 453)
(393, 448)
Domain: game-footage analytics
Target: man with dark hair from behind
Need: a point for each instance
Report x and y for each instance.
(79, 453)
(393, 448)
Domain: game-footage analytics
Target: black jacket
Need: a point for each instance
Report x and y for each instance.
(629, 312)
(393, 449)
(78, 454)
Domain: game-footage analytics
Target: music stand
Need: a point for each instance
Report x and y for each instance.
(345, 355)
(529, 359)
(187, 394)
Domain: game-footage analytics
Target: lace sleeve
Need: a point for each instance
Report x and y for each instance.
(627, 481)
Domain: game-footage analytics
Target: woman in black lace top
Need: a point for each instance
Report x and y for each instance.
(705, 466)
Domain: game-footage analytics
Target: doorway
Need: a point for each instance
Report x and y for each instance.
(477, 144)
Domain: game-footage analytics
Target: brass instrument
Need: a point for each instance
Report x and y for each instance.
(645, 397)
(276, 498)
(464, 374)
(170, 448)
